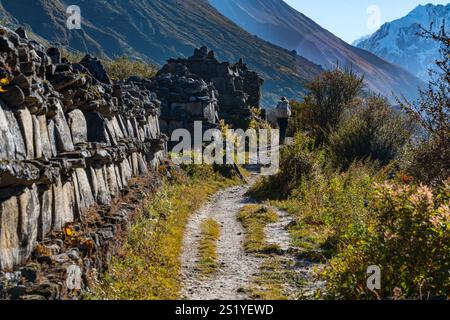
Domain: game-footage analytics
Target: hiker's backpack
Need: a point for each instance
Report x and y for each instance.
(283, 109)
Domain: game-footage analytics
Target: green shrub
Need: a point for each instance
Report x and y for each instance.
(122, 68)
(298, 162)
(330, 95)
(119, 68)
(408, 237)
(372, 131)
(332, 206)
(297, 118)
(436, 151)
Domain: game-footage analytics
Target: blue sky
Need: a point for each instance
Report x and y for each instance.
(349, 19)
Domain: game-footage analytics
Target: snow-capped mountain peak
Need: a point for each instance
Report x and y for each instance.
(398, 41)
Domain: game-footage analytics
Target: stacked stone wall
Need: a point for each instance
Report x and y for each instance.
(70, 139)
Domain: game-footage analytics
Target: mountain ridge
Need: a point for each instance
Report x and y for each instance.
(277, 22)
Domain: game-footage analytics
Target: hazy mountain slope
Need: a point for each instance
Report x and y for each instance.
(277, 22)
(160, 29)
(358, 41)
(398, 42)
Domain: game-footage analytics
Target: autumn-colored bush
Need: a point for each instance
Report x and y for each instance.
(121, 68)
(408, 237)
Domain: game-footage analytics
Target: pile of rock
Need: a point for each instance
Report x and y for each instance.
(70, 139)
(201, 84)
(186, 98)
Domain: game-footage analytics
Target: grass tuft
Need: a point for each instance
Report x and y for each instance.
(254, 219)
(210, 234)
(271, 281)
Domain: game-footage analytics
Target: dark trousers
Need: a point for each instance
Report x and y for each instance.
(283, 124)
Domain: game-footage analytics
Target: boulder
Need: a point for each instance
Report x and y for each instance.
(96, 68)
(86, 196)
(96, 127)
(16, 136)
(45, 141)
(7, 147)
(46, 214)
(13, 97)
(38, 148)
(104, 193)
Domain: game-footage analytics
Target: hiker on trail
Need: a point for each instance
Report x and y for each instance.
(283, 112)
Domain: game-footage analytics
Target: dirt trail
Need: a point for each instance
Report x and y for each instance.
(236, 266)
(277, 233)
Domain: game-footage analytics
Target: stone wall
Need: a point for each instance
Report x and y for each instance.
(186, 98)
(70, 139)
(202, 88)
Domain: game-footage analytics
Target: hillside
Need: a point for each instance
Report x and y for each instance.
(160, 29)
(277, 22)
(398, 42)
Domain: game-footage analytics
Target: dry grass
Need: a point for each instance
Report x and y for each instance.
(271, 281)
(122, 68)
(119, 68)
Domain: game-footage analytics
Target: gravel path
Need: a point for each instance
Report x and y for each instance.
(236, 267)
(277, 233)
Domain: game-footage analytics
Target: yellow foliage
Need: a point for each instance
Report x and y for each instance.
(69, 231)
(3, 82)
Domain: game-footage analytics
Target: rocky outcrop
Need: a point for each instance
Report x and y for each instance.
(202, 88)
(70, 140)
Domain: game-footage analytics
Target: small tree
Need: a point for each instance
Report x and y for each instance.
(330, 94)
(430, 157)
